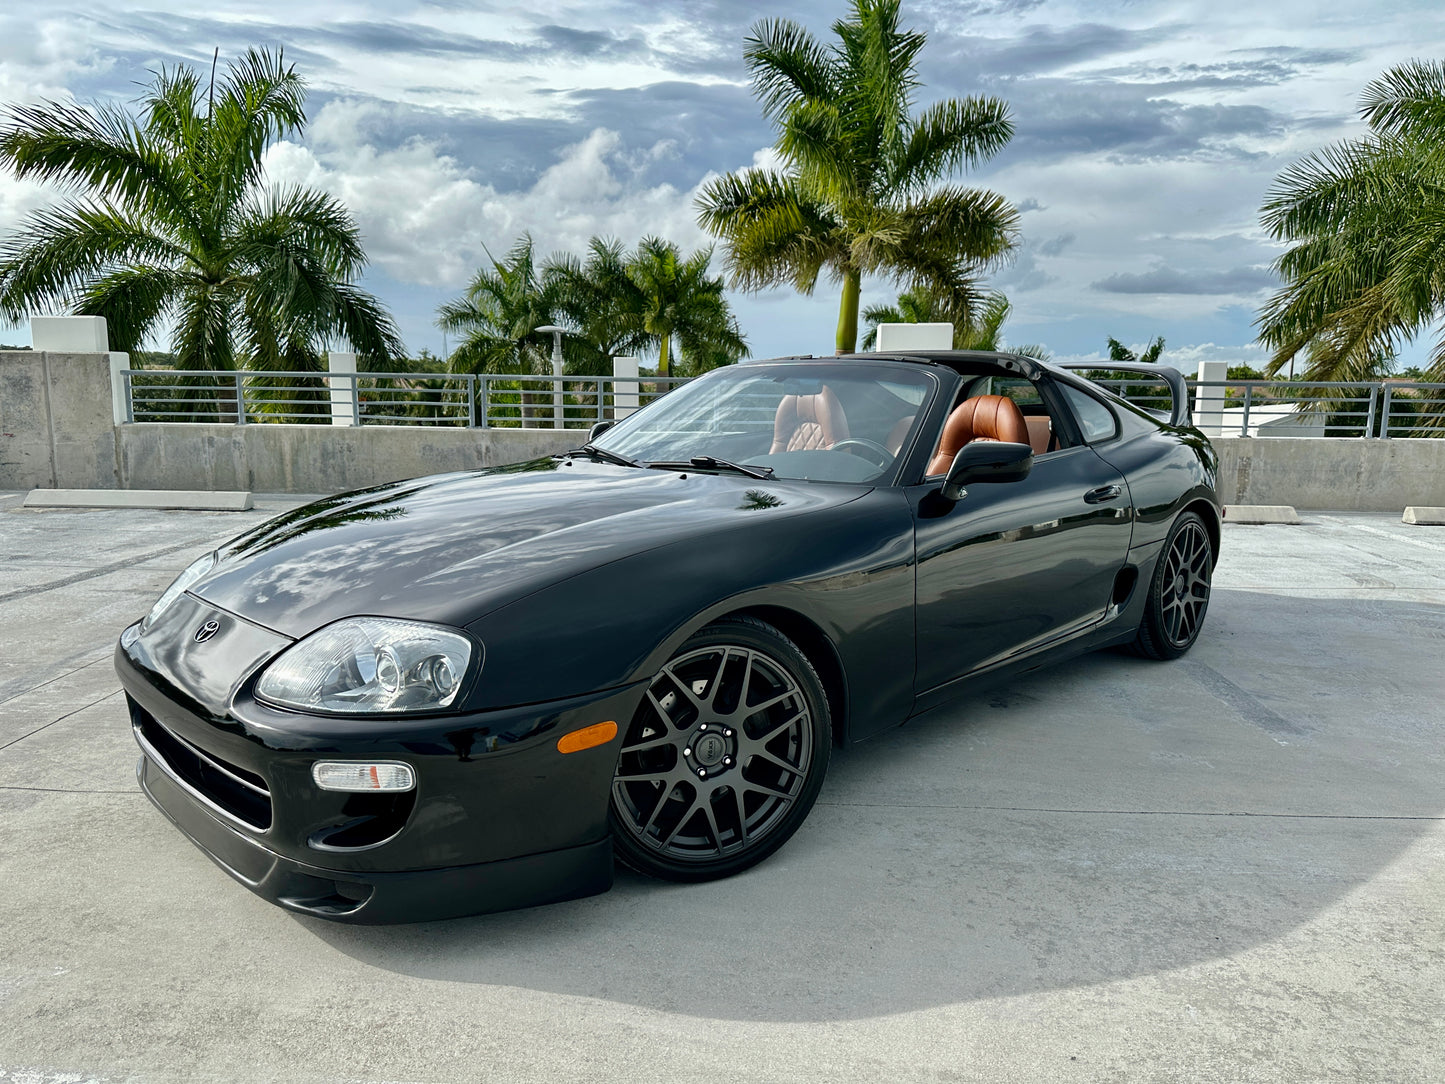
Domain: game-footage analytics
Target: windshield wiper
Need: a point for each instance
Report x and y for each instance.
(712, 462)
(595, 452)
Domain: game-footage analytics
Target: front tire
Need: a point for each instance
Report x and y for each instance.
(1178, 592)
(724, 757)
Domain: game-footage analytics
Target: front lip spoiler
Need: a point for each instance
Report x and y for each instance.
(369, 898)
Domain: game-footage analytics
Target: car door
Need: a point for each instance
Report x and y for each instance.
(1016, 565)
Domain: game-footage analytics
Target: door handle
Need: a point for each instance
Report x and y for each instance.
(1102, 494)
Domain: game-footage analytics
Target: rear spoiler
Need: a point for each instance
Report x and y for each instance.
(1179, 413)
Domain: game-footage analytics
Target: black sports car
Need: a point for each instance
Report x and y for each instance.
(468, 692)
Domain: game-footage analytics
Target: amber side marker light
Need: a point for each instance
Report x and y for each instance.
(587, 738)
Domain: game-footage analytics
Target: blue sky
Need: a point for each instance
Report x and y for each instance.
(1147, 134)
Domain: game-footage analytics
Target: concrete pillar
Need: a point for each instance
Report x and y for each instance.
(69, 334)
(625, 388)
(345, 407)
(897, 338)
(1209, 402)
(119, 391)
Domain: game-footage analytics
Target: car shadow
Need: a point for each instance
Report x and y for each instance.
(1107, 818)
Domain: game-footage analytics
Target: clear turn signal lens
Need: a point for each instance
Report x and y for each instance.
(361, 778)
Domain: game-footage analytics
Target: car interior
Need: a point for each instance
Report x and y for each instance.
(988, 408)
(841, 426)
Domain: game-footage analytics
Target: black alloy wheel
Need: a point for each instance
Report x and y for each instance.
(1179, 592)
(724, 756)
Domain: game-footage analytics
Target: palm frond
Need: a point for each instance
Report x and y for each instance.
(102, 151)
(311, 220)
(950, 135)
(133, 301)
(787, 65)
(1408, 100)
(60, 249)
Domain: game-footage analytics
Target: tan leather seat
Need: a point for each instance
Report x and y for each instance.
(984, 417)
(803, 422)
(894, 441)
(1041, 433)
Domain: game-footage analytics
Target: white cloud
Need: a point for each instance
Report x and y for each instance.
(427, 219)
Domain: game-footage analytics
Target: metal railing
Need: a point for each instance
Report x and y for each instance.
(462, 400)
(1301, 408)
(1253, 408)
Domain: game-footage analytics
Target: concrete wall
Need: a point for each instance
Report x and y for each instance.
(1323, 473)
(1343, 474)
(267, 458)
(56, 424)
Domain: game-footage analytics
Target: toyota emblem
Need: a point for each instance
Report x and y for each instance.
(206, 631)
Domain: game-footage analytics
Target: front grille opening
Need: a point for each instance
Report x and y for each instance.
(229, 787)
(370, 819)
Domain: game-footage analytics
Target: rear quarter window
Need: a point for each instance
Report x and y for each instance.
(1096, 421)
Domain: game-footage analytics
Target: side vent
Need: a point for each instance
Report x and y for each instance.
(1124, 586)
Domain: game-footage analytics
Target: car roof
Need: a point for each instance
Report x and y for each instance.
(950, 359)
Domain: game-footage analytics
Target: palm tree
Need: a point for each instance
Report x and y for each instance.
(1365, 220)
(1149, 355)
(598, 298)
(498, 316)
(858, 194)
(171, 223)
(679, 298)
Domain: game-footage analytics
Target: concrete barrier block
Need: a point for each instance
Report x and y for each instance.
(1424, 517)
(81, 424)
(194, 500)
(893, 338)
(27, 457)
(69, 334)
(1260, 513)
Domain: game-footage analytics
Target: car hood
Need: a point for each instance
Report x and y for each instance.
(453, 547)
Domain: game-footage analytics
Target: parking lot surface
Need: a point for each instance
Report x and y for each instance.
(1226, 868)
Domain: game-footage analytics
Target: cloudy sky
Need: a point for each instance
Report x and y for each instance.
(1146, 134)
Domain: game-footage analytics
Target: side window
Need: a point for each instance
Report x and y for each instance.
(1095, 419)
(1021, 391)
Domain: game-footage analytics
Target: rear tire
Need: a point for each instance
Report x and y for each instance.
(724, 757)
(1178, 592)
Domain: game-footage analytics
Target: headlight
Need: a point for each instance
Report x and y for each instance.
(194, 571)
(370, 664)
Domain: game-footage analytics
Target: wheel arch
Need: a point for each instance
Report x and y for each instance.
(1207, 511)
(813, 642)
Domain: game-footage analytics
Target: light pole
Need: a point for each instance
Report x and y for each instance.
(556, 333)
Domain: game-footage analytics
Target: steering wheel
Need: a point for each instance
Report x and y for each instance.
(864, 448)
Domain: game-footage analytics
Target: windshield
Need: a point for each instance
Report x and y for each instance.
(843, 422)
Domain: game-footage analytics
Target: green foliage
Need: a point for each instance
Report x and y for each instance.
(1365, 222)
(170, 222)
(679, 298)
(1149, 355)
(1243, 372)
(860, 190)
(613, 302)
(496, 319)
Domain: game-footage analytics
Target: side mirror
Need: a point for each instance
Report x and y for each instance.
(986, 461)
(598, 428)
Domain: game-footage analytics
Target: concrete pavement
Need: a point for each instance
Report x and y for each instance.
(1224, 868)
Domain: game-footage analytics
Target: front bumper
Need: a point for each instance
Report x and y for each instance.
(376, 898)
(499, 818)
